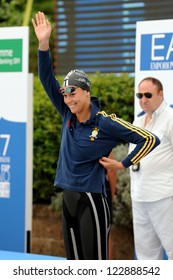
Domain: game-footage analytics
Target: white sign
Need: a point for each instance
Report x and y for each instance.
(15, 139)
(154, 55)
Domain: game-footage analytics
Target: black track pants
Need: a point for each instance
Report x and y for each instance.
(86, 225)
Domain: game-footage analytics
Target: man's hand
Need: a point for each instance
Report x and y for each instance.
(111, 163)
(43, 30)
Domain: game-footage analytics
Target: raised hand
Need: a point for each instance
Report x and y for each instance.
(42, 29)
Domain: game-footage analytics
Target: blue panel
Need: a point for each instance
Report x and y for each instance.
(7, 255)
(164, 256)
(12, 185)
(158, 51)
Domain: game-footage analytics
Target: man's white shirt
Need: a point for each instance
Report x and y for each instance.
(154, 179)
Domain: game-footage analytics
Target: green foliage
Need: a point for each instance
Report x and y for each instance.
(47, 133)
(116, 93)
(48, 7)
(11, 12)
(122, 215)
(56, 201)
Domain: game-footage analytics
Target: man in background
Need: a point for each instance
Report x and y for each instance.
(152, 179)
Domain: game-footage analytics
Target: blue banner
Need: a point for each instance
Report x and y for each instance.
(12, 185)
(156, 52)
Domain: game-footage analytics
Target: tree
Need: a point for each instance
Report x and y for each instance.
(11, 12)
(20, 12)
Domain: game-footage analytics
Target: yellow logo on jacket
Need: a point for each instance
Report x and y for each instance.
(94, 134)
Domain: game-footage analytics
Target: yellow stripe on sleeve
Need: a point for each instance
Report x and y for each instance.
(149, 138)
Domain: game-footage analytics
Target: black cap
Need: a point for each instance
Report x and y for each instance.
(77, 78)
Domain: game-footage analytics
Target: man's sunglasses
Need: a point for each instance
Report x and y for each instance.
(146, 94)
(67, 90)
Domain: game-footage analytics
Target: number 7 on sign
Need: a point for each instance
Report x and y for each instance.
(7, 137)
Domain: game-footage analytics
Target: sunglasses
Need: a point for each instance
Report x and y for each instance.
(67, 90)
(146, 94)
